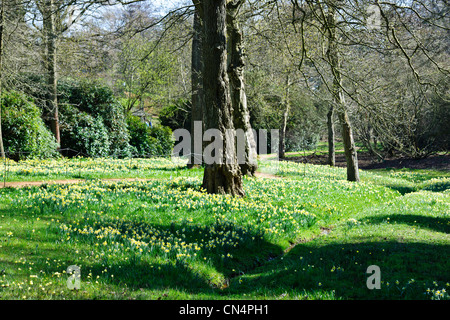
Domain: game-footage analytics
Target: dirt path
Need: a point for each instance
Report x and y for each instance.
(21, 184)
(266, 175)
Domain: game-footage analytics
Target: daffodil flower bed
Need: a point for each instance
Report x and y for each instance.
(169, 237)
(88, 168)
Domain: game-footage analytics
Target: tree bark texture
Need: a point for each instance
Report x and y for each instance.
(2, 23)
(224, 177)
(282, 144)
(339, 100)
(196, 155)
(331, 147)
(241, 116)
(52, 91)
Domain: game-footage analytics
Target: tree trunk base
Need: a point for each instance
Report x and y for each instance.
(248, 169)
(223, 179)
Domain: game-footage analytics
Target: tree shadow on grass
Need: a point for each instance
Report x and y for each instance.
(142, 275)
(340, 270)
(437, 186)
(317, 269)
(309, 268)
(431, 223)
(50, 256)
(402, 189)
(216, 261)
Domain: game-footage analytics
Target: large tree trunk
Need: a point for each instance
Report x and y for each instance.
(282, 144)
(246, 148)
(2, 23)
(331, 147)
(52, 91)
(224, 176)
(339, 99)
(196, 156)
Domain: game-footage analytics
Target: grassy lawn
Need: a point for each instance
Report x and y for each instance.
(306, 235)
(87, 168)
(320, 149)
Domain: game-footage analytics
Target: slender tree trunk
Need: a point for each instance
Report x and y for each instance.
(2, 23)
(224, 176)
(247, 155)
(196, 156)
(339, 99)
(349, 147)
(331, 147)
(52, 91)
(282, 145)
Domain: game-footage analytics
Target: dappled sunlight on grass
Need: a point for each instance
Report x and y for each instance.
(309, 235)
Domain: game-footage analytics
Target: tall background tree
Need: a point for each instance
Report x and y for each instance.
(2, 23)
(197, 96)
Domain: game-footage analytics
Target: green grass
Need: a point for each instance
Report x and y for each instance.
(98, 168)
(320, 149)
(408, 238)
(410, 180)
(307, 235)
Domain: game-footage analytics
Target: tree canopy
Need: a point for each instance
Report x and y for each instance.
(369, 74)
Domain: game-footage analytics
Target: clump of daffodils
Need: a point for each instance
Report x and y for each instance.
(353, 223)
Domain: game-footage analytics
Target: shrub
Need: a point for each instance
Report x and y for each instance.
(165, 139)
(149, 141)
(94, 99)
(24, 131)
(93, 138)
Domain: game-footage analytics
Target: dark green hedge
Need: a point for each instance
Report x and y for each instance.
(92, 119)
(24, 132)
